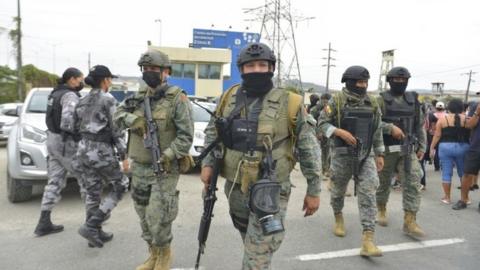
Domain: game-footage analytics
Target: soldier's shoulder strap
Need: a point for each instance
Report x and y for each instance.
(225, 98)
(373, 101)
(294, 102)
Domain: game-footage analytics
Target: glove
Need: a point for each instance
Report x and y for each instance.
(185, 164)
(166, 163)
(139, 126)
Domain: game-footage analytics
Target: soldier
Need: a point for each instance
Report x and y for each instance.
(353, 118)
(314, 98)
(324, 142)
(405, 143)
(265, 122)
(61, 145)
(155, 197)
(96, 158)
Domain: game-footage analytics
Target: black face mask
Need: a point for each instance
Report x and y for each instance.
(152, 78)
(257, 83)
(79, 87)
(398, 88)
(352, 87)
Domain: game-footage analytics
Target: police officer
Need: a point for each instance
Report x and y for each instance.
(156, 197)
(405, 144)
(96, 158)
(265, 122)
(61, 145)
(352, 119)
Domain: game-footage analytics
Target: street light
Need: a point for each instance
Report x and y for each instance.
(160, 33)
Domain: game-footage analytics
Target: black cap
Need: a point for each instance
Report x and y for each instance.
(101, 71)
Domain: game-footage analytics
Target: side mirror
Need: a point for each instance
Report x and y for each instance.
(12, 112)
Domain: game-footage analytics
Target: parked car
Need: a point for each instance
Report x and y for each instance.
(8, 117)
(26, 148)
(200, 119)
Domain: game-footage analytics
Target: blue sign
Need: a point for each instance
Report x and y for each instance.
(235, 41)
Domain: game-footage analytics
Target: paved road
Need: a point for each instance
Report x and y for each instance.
(457, 232)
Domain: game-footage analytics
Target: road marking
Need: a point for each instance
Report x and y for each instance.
(387, 248)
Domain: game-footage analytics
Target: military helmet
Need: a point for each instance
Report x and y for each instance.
(326, 96)
(256, 51)
(355, 73)
(154, 58)
(398, 72)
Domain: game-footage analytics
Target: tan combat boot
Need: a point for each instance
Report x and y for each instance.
(382, 215)
(164, 258)
(368, 247)
(410, 225)
(339, 229)
(149, 264)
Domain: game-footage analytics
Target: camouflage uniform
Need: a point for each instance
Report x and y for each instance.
(342, 165)
(61, 150)
(259, 248)
(156, 197)
(325, 143)
(395, 162)
(96, 158)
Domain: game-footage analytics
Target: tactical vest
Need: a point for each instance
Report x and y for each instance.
(53, 116)
(163, 111)
(360, 120)
(402, 115)
(275, 122)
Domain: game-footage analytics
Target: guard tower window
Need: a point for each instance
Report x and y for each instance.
(181, 70)
(209, 71)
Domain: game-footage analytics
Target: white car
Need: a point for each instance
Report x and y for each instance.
(200, 119)
(8, 117)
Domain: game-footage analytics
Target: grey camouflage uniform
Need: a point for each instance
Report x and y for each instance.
(60, 155)
(342, 165)
(96, 159)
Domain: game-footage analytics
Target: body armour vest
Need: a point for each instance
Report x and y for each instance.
(269, 117)
(402, 115)
(359, 119)
(163, 111)
(53, 116)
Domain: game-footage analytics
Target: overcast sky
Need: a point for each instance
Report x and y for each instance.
(436, 40)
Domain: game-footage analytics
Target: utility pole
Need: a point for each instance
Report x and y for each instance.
(89, 61)
(468, 85)
(328, 65)
(20, 89)
(160, 32)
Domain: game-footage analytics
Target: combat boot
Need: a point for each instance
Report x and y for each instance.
(410, 225)
(368, 247)
(149, 264)
(103, 235)
(339, 229)
(164, 258)
(382, 215)
(45, 225)
(90, 230)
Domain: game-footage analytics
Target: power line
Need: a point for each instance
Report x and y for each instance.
(446, 71)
